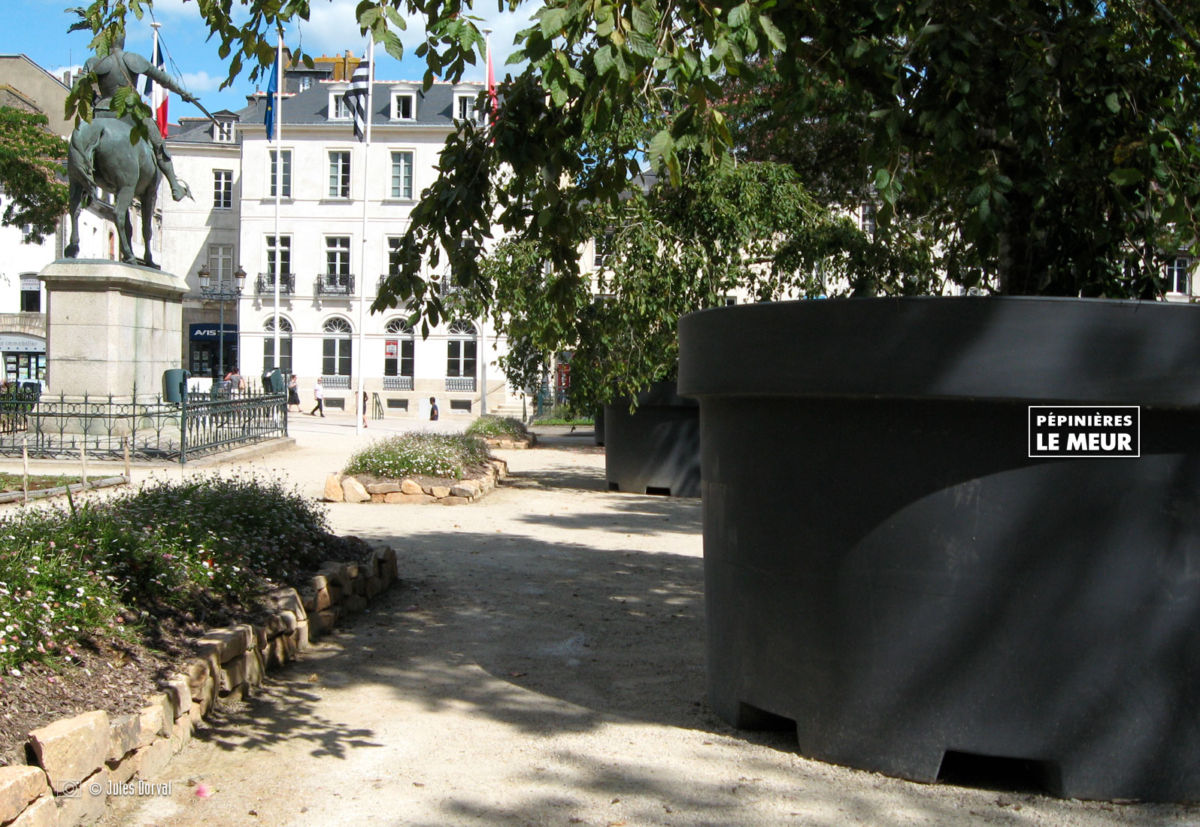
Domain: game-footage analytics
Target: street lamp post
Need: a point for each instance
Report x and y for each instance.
(221, 294)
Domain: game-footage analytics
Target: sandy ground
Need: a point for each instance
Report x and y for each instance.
(540, 663)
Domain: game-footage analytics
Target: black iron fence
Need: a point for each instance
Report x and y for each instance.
(148, 427)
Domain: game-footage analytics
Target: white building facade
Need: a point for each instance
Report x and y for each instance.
(330, 259)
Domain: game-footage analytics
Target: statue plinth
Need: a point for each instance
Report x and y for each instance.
(111, 328)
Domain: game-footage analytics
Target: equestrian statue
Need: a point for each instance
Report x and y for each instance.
(102, 155)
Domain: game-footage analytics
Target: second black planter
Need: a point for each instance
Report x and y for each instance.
(655, 449)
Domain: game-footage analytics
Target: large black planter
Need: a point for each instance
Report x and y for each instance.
(656, 449)
(886, 568)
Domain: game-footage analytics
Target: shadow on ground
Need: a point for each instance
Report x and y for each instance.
(550, 638)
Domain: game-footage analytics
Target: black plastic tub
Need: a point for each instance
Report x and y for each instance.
(887, 570)
(655, 449)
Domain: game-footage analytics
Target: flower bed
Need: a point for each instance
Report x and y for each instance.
(75, 761)
(418, 468)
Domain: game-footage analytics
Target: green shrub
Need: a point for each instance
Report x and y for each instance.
(70, 575)
(434, 455)
(497, 426)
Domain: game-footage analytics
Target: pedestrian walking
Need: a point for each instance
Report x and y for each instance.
(319, 395)
(433, 409)
(294, 393)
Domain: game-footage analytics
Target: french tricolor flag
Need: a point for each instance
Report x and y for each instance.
(157, 93)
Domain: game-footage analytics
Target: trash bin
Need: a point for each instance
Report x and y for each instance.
(174, 381)
(273, 381)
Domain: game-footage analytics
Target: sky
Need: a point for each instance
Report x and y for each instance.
(41, 34)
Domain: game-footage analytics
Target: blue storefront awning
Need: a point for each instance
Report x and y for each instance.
(210, 332)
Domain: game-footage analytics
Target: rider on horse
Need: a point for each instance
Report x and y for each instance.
(119, 69)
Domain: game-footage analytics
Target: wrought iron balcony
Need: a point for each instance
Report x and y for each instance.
(265, 284)
(460, 384)
(336, 382)
(341, 284)
(397, 383)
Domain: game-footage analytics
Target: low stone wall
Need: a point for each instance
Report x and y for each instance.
(79, 761)
(511, 442)
(410, 491)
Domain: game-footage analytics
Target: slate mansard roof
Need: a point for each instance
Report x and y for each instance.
(434, 108)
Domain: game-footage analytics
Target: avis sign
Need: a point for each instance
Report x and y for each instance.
(1084, 431)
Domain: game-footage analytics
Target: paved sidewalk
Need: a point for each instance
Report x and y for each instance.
(540, 663)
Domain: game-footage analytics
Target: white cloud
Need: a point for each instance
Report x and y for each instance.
(333, 29)
(200, 82)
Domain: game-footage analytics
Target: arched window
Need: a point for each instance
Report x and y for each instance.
(461, 351)
(285, 346)
(337, 349)
(398, 351)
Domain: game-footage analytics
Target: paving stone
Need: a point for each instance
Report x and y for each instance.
(300, 636)
(233, 674)
(255, 668)
(383, 487)
(19, 787)
(285, 600)
(86, 804)
(408, 499)
(336, 572)
(123, 769)
(179, 695)
(71, 749)
(181, 733)
(227, 643)
(42, 813)
(466, 488)
(152, 721)
(288, 620)
(124, 736)
(150, 761)
(353, 491)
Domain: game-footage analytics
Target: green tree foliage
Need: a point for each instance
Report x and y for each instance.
(751, 231)
(1042, 141)
(31, 173)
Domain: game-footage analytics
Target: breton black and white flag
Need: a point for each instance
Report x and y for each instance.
(356, 98)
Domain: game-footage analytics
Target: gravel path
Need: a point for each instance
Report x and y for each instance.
(541, 663)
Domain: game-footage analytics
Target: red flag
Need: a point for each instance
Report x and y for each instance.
(491, 83)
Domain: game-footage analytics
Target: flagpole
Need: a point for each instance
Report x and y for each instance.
(278, 124)
(155, 25)
(361, 405)
(489, 82)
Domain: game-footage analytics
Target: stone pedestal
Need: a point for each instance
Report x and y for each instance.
(112, 328)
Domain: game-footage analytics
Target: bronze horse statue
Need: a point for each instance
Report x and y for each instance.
(100, 155)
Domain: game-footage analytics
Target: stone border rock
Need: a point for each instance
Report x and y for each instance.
(341, 487)
(511, 442)
(78, 760)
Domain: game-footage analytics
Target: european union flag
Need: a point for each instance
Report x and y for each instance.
(272, 90)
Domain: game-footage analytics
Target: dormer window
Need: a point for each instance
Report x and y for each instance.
(338, 111)
(466, 108)
(404, 106)
(223, 132)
